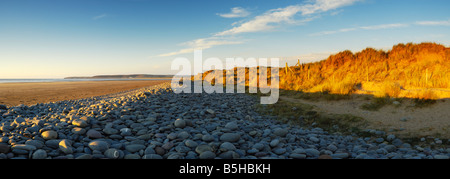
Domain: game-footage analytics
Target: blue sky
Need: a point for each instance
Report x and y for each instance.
(59, 38)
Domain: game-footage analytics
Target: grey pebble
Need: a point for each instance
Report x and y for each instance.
(152, 156)
(190, 143)
(231, 126)
(274, 143)
(134, 147)
(132, 156)
(112, 153)
(297, 156)
(180, 123)
(208, 138)
(230, 137)
(39, 154)
(312, 152)
(227, 146)
(24, 147)
(207, 155)
(279, 151)
(98, 145)
(259, 146)
(280, 132)
(203, 148)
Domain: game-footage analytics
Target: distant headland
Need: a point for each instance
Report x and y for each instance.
(120, 76)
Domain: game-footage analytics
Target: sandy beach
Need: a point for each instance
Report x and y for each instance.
(402, 120)
(13, 94)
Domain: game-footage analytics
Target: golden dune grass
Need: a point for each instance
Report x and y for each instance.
(411, 70)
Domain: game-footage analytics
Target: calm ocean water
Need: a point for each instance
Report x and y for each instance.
(64, 80)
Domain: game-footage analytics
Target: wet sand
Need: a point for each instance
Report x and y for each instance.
(13, 94)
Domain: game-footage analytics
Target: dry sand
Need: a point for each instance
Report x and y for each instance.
(13, 94)
(433, 120)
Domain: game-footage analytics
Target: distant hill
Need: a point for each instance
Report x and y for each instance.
(122, 76)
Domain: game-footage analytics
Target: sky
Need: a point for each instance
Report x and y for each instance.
(60, 38)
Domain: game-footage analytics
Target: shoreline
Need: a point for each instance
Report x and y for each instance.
(56, 80)
(29, 93)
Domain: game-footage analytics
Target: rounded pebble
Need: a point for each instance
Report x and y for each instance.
(48, 135)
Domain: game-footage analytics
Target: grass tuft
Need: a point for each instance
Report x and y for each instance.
(376, 103)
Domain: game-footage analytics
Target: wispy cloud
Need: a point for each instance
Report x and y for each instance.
(264, 22)
(203, 43)
(268, 21)
(433, 23)
(373, 27)
(384, 26)
(271, 18)
(235, 12)
(324, 5)
(101, 16)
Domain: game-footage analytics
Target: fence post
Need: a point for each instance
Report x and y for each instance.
(286, 68)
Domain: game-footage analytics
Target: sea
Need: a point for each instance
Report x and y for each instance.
(68, 80)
